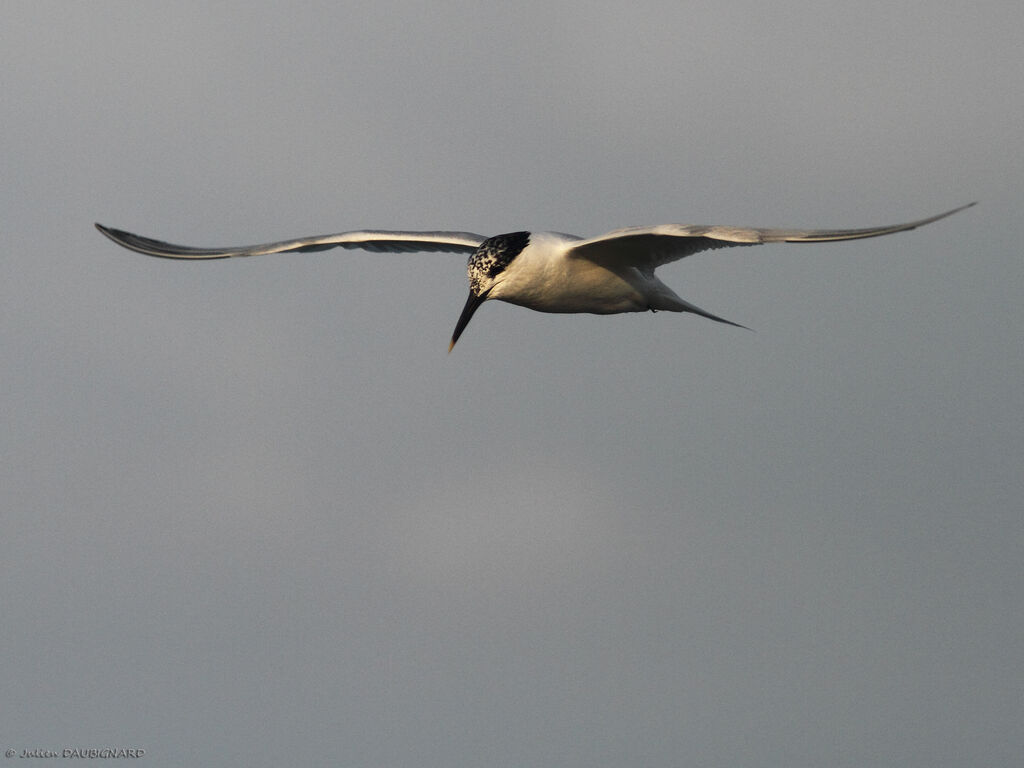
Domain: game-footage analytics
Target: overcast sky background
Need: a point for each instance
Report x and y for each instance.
(254, 514)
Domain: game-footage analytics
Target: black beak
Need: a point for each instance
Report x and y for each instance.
(472, 304)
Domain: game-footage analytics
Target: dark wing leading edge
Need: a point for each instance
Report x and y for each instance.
(647, 248)
(369, 240)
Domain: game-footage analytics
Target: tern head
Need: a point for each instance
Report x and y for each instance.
(485, 268)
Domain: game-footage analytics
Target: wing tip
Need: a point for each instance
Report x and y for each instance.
(150, 247)
(119, 236)
(958, 209)
(940, 216)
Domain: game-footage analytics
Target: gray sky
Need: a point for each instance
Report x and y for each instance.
(254, 514)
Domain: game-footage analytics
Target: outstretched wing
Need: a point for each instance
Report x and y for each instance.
(647, 248)
(369, 240)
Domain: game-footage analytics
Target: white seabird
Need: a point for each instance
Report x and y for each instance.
(548, 271)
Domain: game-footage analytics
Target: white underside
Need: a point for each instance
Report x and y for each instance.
(544, 279)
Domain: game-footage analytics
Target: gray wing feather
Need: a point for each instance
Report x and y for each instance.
(649, 247)
(368, 240)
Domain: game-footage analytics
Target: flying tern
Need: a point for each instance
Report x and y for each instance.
(548, 271)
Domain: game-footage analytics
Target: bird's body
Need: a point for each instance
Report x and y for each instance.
(544, 277)
(548, 271)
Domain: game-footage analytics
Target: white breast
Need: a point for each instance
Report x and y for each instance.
(545, 279)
